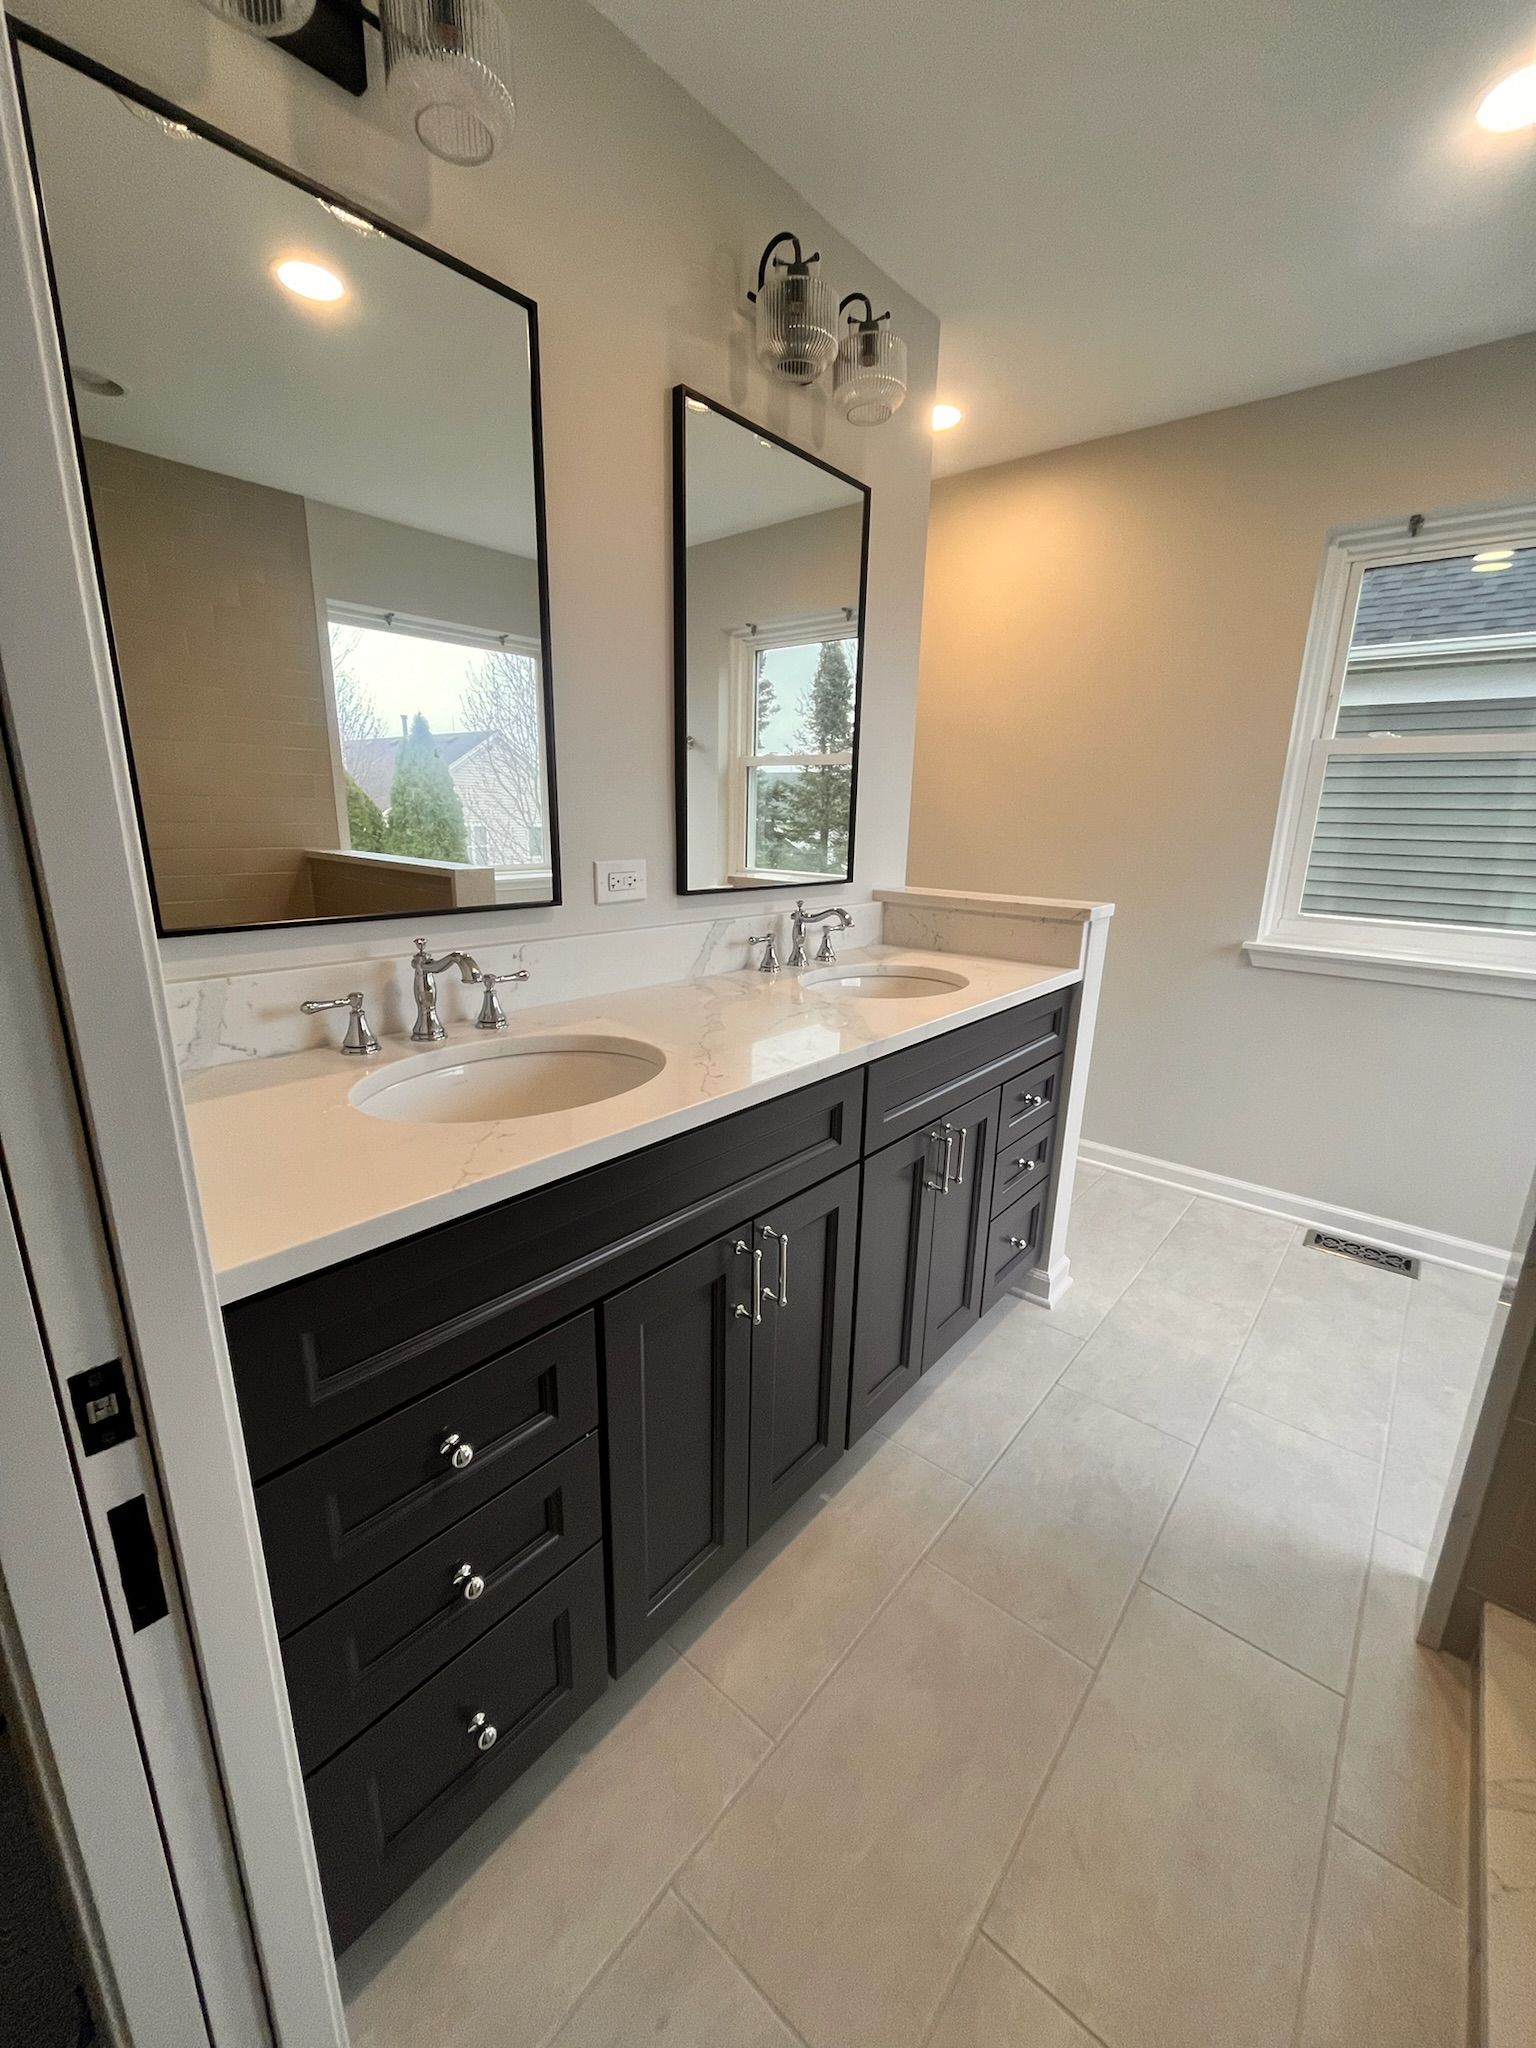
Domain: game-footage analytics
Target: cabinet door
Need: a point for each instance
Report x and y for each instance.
(895, 1236)
(961, 1213)
(677, 1362)
(800, 1349)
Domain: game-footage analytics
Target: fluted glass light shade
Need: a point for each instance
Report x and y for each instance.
(448, 66)
(264, 17)
(796, 315)
(869, 381)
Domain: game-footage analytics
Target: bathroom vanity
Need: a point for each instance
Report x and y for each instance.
(497, 1457)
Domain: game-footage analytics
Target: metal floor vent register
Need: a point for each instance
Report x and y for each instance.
(1367, 1254)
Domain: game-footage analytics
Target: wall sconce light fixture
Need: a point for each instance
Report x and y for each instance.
(264, 17)
(869, 379)
(796, 320)
(448, 66)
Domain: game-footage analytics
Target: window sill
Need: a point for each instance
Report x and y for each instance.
(1422, 970)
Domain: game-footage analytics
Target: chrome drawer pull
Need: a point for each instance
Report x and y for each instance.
(937, 1187)
(1026, 1165)
(782, 1240)
(758, 1289)
(959, 1179)
(482, 1733)
(1020, 1244)
(1032, 1102)
(456, 1451)
(740, 1246)
(469, 1581)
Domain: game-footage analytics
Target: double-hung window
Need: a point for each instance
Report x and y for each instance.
(1406, 842)
(792, 786)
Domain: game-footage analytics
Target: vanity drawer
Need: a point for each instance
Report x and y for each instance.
(1014, 1246)
(912, 1088)
(339, 1519)
(352, 1664)
(1029, 1100)
(324, 1355)
(393, 1800)
(1020, 1166)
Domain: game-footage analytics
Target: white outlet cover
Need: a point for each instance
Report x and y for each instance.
(619, 881)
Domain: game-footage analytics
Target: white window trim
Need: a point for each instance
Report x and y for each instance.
(745, 643)
(1464, 957)
(337, 612)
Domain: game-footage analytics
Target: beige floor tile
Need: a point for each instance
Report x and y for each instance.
(1405, 1783)
(994, 2005)
(1508, 1735)
(1087, 1173)
(1059, 1530)
(1163, 1888)
(848, 1876)
(1449, 1317)
(1323, 1352)
(1116, 1227)
(676, 1986)
(1222, 1253)
(504, 1933)
(1390, 1963)
(1270, 1537)
(964, 1414)
(769, 1632)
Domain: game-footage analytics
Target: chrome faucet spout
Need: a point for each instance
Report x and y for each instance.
(834, 918)
(424, 973)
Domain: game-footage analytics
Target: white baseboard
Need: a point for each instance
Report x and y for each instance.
(1396, 1236)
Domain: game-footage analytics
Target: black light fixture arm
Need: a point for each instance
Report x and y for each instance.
(800, 261)
(871, 317)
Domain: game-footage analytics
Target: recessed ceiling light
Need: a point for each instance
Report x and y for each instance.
(945, 417)
(96, 382)
(309, 280)
(1511, 104)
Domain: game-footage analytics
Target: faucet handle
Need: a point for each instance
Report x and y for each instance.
(492, 1016)
(769, 964)
(359, 1036)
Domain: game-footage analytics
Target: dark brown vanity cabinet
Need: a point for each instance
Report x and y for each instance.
(725, 1396)
(497, 1460)
(922, 1253)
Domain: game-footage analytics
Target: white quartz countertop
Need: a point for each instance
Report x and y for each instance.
(293, 1177)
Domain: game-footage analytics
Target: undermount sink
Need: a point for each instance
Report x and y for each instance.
(516, 1077)
(892, 982)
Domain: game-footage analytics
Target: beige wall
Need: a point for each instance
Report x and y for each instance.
(213, 617)
(357, 559)
(1111, 651)
(632, 218)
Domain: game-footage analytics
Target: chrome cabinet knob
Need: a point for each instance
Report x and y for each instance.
(456, 1451)
(1025, 1165)
(1033, 1102)
(1020, 1244)
(469, 1582)
(482, 1733)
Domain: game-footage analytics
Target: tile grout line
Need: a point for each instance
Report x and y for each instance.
(714, 1940)
(1008, 1615)
(1366, 1457)
(1458, 1905)
(1233, 1635)
(979, 1932)
(1314, 1918)
(1044, 1989)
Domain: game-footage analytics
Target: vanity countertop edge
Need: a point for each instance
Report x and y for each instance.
(293, 1178)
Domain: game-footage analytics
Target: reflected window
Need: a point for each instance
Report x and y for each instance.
(794, 771)
(439, 731)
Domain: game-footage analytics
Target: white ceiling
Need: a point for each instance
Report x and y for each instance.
(408, 400)
(1133, 212)
(738, 481)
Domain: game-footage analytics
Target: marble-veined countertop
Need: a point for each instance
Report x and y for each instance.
(293, 1177)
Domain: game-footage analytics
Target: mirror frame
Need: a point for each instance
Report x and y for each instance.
(23, 35)
(681, 394)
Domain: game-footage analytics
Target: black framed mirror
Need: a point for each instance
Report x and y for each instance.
(770, 552)
(312, 453)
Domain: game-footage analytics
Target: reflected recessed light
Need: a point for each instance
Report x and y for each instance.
(945, 417)
(697, 405)
(309, 280)
(1511, 104)
(1489, 561)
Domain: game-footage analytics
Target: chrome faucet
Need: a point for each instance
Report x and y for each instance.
(800, 917)
(424, 971)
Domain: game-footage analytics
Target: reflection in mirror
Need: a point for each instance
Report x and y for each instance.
(311, 453)
(770, 568)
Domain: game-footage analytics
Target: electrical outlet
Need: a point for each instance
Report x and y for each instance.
(619, 881)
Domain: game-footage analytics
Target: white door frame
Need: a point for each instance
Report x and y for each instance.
(61, 705)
